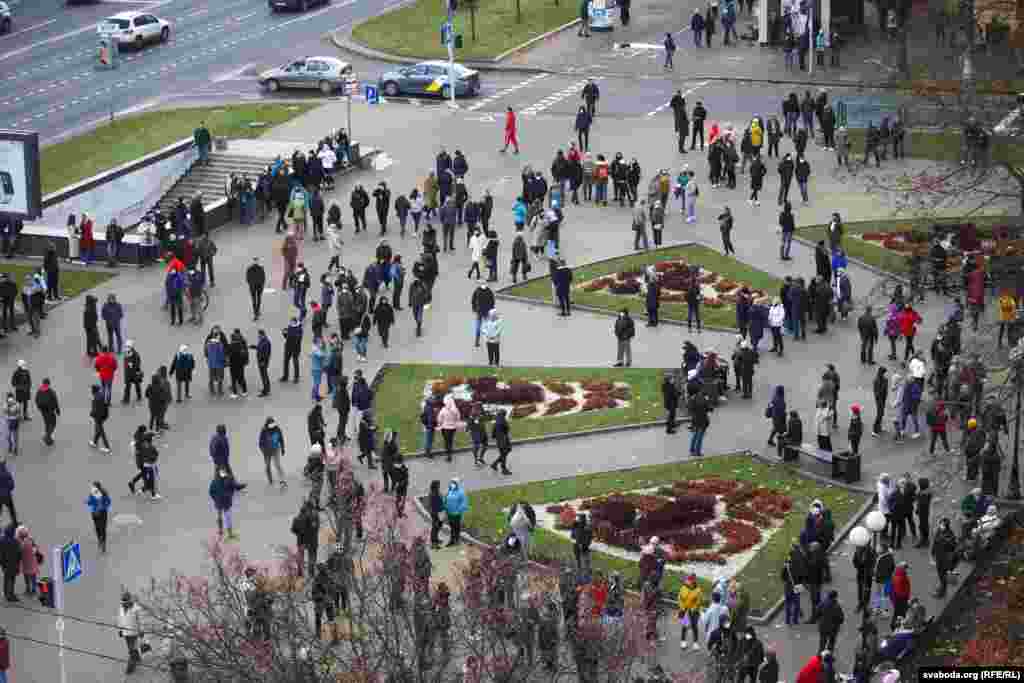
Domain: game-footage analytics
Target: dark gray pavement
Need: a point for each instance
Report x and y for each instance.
(50, 82)
(152, 538)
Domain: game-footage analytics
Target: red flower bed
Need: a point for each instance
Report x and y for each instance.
(554, 509)
(442, 387)
(598, 284)
(707, 278)
(627, 287)
(614, 510)
(514, 394)
(628, 274)
(669, 266)
(597, 385)
(723, 286)
(562, 405)
(711, 558)
(714, 302)
(523, 410)
(678, 281)
(682, 512)
(738, 536)
(712, 486)
(598, 402)
(483, 383)
(643, 502)
(560, 388)
(692, 538)
(621, 393)
(748, 515)
(874, 236)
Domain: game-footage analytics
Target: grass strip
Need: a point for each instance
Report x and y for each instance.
(72, 281)
(132, 137)
(399, 398)
(725, 316)
(415, 30)
(488, 512)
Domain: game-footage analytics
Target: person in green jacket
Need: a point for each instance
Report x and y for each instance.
(201, 136)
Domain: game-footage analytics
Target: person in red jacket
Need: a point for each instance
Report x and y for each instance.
(937, 419)
(510, 131)
(5, 655)
(900, 594)
(106, 366)
(908, 320)
(813, 670)
(976, 293)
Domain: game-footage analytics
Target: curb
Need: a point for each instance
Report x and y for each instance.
(546, 438)
(523, 47)
(501, 293)
(342, 40)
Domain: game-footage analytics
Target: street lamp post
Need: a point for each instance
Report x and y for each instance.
(1017, 359)
(876, 524)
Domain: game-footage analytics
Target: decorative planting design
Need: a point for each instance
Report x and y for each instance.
(676, 277)
(529, 399)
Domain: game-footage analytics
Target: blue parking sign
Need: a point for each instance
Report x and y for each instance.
(372, 96)
(71, 562)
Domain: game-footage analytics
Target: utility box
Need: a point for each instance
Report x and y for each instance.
(108, 52)
(846, 467)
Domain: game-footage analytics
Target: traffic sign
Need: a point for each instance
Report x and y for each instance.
(447, 32)
(351, 86)
(372, 96)
(71, 562)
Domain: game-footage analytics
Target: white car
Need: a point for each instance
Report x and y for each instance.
(135, 28)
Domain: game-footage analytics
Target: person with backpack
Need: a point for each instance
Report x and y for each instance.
(306, 528)
(271, 445)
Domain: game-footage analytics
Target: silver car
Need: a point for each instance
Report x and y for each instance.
(327, 74)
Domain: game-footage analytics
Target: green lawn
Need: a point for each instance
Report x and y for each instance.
(936, 146)
(399, 400)
(72, 281)
(415, 30)
(876, 255)
(135, 136)
(710, 259)
(487, 515)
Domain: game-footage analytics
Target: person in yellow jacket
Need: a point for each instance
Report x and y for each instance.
(756, 135)
(691, 600)
(1007, 314)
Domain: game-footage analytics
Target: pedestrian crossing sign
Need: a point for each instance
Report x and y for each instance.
(71, 562)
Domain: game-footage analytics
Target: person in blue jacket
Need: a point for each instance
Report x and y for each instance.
(7, 492)
(220, 450)
(362, 395)
(758, 323)
(215, 351)
(562, 278)
(222, 493)
(519, 213)
(455, 506)
(175, 286)
(98, 503)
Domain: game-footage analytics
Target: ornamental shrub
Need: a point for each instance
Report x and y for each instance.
(739, 536)
(513, 394)
(560, 388)
(483, 383)
(685, 511)
(597, 385)
(625, 288)
(523, 410)
(566, 518)
(592, 401)
(554, 509)
(614, 510)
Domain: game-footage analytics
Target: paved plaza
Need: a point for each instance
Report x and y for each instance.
(154, 538)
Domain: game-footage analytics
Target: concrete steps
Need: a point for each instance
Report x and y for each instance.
(212, 179)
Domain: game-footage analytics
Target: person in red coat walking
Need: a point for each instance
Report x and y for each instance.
(908, 319)
(976, 294)
(510, 131)
(813, 670)
(106, 366)
(900, 594)
(5, 655)
(937, 419)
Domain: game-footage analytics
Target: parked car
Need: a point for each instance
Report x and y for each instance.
(429, 78)
(5, 17)
(326, 74)
(297, 5)
(135, 29)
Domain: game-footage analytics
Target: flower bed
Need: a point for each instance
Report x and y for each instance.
(676, 278)
(711, 521)
(526, 399)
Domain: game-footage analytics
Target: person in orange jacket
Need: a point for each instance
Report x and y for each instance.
(106, 366)
(900, 594)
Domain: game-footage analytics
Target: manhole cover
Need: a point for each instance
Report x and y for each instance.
(127, 519)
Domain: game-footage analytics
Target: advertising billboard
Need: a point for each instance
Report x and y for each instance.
(20, 191)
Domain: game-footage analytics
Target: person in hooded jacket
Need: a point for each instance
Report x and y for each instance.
(99, 413)
(830, 620)
(90, 324)
(367, 439)
(271, 445)
(503, 440)
(182, 366)
(10, 561)
(456, 504)
(49, 407)
(306, 528)
(222, 492)
(436, 508)
(237, 353)
(389, 457)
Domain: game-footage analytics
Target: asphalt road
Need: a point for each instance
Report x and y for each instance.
(51, 81)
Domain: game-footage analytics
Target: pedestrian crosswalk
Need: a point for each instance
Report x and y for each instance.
(685, 93)
(574, 90)
(506, 92)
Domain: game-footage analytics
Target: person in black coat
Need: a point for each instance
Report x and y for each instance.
(562, 280)
(814, 577)
(670, 397)
(830, 620)
(867, 327)
(10, 562)
(864, 563)
(382, 202)
(436, 510)
(750, 656)
(923, 510)
(944, 553)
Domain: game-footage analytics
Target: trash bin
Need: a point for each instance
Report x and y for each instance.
(846, 467)
(354, 153)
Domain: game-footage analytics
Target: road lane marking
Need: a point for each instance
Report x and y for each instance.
(661, 107)
(31, 28)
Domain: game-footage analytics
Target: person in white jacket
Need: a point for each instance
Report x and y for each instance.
(130, 628)
(492, 329)
(885, 489)
(711, 619)
(690, 194)
(776, 317)
(416, 209)
(476, 250)
(335, 243)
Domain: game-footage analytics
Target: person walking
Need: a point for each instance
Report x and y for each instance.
(271, 445)
(7, 492)
(456, 504)
(670, 400)
(697, 117)
(864, 563)
(256, 279)
(625, 330)
(49, 407)
(697, 27)
(106, 366)
(99, 413)
(936, 418)
(129, 628)
(511, 137)
(292, 335)
(98, 504)
(222, 492)
(802, 170)
(699, 409)
(306, 528)
(786, 169)
(492, 330)
(182, 366)
(502, 440)
(830, 620)
(900, 593)
(582, 125)
(670, 49)
(943, 551)
(640, 226)
(133, 375)
(867, 328)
